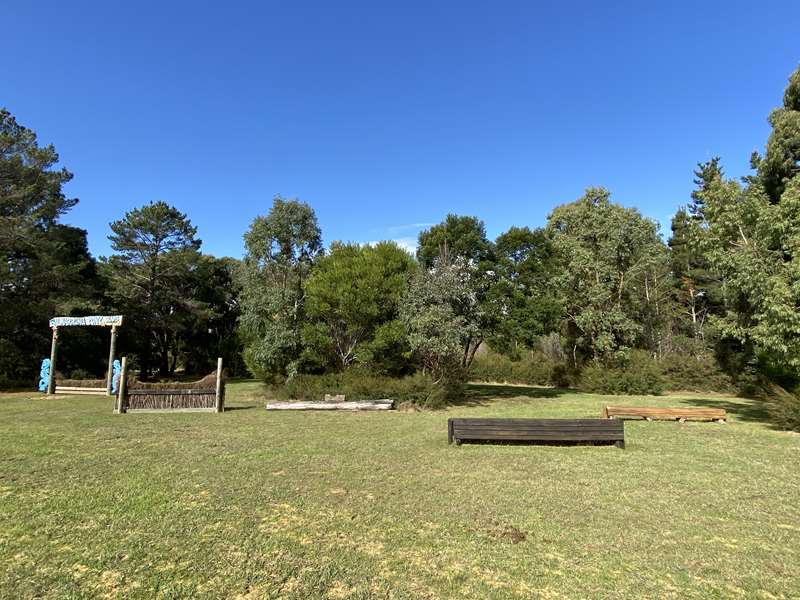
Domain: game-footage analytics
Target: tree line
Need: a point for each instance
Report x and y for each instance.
(596, 287)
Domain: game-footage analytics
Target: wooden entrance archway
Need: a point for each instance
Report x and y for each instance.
(112, 321)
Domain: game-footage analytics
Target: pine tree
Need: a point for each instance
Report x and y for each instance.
(45, 266)
(152, 280)
(781, 161)
(698, 288)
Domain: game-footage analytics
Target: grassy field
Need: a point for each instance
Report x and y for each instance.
(251, 504)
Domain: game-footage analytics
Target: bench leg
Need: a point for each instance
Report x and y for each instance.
(620, 444)
(721, 421)
(648, 418)
(457, 442)
(681, 420)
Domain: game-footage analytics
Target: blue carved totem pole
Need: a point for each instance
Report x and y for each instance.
(44, 375)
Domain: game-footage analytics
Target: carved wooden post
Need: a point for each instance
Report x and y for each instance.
(51, 384)
(111, 352)
(220, 389)
(122, 389)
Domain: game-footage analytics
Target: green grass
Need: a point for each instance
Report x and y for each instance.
(252, 504)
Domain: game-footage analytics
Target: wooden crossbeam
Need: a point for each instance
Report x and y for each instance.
(80, 391)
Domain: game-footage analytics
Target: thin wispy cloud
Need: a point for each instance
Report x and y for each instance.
(408, 227)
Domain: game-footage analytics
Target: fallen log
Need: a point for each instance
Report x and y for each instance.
(351, 405)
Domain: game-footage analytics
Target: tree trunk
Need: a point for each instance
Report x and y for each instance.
(163, 358)
(472, 354)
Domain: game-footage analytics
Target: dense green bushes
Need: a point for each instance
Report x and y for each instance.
(783, 408)
(638, 372)
(359, 384)
(532, 369)
(695, 373)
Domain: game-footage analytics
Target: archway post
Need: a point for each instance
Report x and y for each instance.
(112, 350)
(51, 382)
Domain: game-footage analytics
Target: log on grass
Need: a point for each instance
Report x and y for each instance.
(352, 405)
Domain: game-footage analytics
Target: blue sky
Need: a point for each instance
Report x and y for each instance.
(387, 116)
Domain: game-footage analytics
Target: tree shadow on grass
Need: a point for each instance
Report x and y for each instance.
(744, 410)
(479, 394)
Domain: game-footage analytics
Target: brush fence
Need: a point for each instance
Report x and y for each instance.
(205, 395)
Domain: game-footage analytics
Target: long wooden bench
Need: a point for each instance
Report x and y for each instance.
(594, 431)
(670, 414)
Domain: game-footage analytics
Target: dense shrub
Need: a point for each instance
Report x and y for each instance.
(636, 373)
(490, 366)
(81, 374)
(783, 407)
(11, 384)
(563, 375)
(532, 369)
(694, 373)
(358, 384)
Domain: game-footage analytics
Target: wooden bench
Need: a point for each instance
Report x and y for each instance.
(670, 414)
(600, 431)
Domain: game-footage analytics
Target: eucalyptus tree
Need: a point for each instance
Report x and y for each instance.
(459, 244)
(280, 252)
(608, 261)
(444, 316)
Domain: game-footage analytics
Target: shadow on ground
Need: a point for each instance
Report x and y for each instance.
(743, 410)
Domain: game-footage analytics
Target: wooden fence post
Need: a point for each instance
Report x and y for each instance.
(220, 406)
(122, 389)
(51, 384)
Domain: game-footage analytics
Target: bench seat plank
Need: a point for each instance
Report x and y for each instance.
(531, 430)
